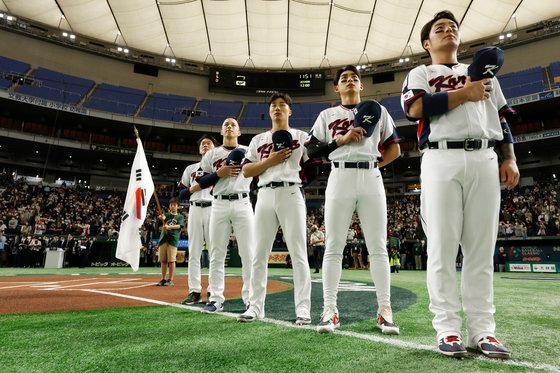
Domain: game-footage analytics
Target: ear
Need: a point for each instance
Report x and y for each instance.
(290, 113)
(361, 85)
(426, 44)
(336, 88)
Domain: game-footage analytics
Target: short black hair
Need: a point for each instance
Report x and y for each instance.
(339, 72)
(425, 33)
(209, 137)
(284, 96)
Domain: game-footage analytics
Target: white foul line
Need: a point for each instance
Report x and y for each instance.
(369, 337)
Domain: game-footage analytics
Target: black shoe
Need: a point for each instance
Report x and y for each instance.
(316, 271)
(191, 299)
(162, 282)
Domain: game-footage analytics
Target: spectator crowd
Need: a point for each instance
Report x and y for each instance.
(34, 218)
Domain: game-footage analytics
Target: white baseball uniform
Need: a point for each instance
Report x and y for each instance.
(280, 202)
(231, 208)
(355, 184)
(198, 225)
(460, 199)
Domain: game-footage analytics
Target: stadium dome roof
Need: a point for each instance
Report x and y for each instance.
(276, 34)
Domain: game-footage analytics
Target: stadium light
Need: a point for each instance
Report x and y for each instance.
(68, 35)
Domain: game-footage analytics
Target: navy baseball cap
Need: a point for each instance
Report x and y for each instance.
(486, 63)
(366, 115)
(281, 139)
(235, 157)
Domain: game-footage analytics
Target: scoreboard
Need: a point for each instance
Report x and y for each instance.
(256, 83)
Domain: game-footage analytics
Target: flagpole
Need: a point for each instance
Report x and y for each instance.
(140, 188)
(158, 206)
(160, 211)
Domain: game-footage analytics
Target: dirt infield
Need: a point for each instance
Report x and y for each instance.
(27, 294)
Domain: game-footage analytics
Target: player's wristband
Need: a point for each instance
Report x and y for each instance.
(434, 104)
(508, 137)
(208, 180)
(332, 145)
(321, 149)
(184, 194)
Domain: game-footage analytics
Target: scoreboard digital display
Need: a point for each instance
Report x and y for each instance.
(257, 83)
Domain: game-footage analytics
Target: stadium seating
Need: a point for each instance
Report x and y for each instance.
(116, 99)
(555, 70)
(214, 112)
(393, 106)
(69, 89)
(97, 138)
(170, 108)
(10, 66)
(255, 115)
(521, 83)
(10, 123)
(75, 135)
(56, 86)
(305, 114)
(37, 128)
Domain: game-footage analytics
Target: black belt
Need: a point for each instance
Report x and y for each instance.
(201, 203)
(467, 144)
(362, 165)
(277, 184)
(231, 197)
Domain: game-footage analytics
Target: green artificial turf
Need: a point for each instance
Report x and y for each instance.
(172, 339)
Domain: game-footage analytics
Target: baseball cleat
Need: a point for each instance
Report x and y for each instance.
(303, 320)
(491, 347)
(248, 316)
(453, 346)
(385, 321)
(213, 307)
(329, 320)
(193, 298)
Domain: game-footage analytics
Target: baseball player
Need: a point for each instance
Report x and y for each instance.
(231, 208)
(278, 162)
(198, 224)
(460, 120)
(356, 152)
